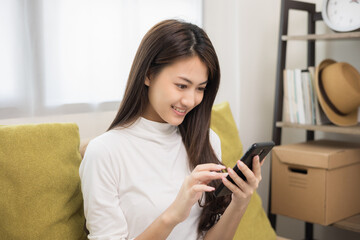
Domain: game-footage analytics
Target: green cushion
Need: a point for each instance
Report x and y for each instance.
(39, 182)
(254, 224)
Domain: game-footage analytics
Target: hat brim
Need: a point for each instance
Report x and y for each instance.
(341, 120)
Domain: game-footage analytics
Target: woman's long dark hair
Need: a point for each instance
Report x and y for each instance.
(164, 44)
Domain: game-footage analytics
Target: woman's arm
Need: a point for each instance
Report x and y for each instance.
(191, 191)
(160, 228)
(226, 227)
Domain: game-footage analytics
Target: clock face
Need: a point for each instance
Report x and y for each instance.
(342, 15)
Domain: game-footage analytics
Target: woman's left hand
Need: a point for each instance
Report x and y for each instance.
(243, 190)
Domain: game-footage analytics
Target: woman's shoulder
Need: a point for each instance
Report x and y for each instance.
(214, 138)
(103, 142)
(103, 151)
(215, 143)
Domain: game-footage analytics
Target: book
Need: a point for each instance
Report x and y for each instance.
(290, 88)
(300, 102)
(287, 100)
(320, 116)
(299, 97)
(312, 93)
(306, 90)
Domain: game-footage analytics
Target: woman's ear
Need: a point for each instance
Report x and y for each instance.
(147, 81)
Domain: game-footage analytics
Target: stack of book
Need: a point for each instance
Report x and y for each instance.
(300, 99)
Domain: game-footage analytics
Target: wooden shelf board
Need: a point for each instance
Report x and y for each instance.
(330, 36)
(355, 130)
(351, 223)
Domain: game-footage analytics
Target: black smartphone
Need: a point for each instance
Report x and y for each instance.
(261, 149)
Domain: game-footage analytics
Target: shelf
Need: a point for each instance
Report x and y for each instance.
(330, 36)
(355, 130)
(351, 223)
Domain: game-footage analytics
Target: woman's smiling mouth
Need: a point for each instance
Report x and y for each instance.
(179, 110)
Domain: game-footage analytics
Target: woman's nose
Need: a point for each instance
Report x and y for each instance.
(189, 99)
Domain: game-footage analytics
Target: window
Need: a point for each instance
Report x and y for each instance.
(67, 56)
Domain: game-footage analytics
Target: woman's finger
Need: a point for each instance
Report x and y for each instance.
(209, 167)
(206, 176)
(202, 188)
(246, 188)
(232, 187)
(256, 167)
(251, 179)
(245, 170)
(237, 180)
(262, 162)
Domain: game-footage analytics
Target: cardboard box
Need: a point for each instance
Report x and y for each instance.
(316, 181)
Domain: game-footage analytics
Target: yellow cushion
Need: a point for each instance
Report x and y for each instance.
(39, 182)
(223, 124)
(254, 224)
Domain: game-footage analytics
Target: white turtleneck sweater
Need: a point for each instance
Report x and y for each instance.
(129, 176)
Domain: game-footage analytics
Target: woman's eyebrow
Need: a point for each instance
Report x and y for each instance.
(190, 82)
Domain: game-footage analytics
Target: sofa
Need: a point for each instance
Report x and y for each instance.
(40, 185)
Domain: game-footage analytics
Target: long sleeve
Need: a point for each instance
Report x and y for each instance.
(99, 181)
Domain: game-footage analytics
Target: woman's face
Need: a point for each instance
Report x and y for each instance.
(176, 90)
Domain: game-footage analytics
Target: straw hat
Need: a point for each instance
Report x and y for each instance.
(338, 89)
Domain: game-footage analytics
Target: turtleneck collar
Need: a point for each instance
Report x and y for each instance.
(153, 127)
(163, 133)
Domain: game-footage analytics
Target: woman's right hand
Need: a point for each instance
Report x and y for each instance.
(192, 189)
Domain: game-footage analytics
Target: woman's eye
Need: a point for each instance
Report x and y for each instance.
(181, 86)
(202, 89)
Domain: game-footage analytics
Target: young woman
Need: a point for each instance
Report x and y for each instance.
(153, 173)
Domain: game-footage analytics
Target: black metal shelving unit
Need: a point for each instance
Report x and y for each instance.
(310, 38)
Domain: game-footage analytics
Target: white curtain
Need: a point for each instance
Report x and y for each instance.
(69, 56)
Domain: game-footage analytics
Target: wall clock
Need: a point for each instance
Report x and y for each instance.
(341, 15)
